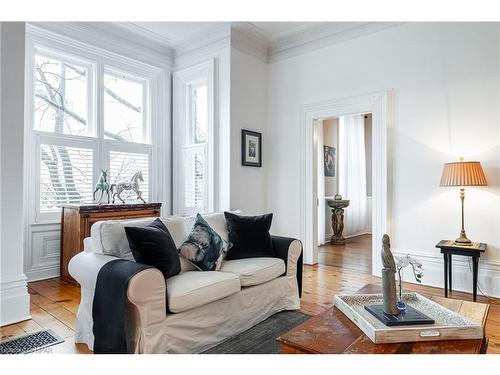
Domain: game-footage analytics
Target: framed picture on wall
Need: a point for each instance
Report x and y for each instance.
(329, 157)
(251, 148)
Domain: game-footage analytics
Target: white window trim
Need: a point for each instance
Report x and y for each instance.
(182, 80)
(54, 45)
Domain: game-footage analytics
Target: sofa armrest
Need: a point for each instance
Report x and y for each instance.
(147, 293)
(290, 250)
(85, 266)
(146, 301)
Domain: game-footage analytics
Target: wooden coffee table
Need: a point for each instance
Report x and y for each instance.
(331, 332)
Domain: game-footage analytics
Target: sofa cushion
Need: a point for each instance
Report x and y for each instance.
(194, 288)
(177, 228)
(153, 245)
(109, 238)
(254, 271)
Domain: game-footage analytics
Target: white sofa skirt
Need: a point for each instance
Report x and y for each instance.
(201, 328)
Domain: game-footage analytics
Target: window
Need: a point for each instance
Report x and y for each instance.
(194, 177)
(199, 122)
(61, 96)
(195, 149)
(123, 166)
(124, 109)
(193, 140)
(65, 176)
(89, 113)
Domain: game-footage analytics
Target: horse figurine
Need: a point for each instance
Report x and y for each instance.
(102, 186)
(132, 185)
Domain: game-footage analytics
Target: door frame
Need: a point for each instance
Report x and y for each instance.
(379, 104)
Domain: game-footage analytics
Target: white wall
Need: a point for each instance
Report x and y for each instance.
(368, 153)
(248, 111)
(14, 298)
(445, 78)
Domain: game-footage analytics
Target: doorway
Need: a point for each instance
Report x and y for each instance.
(344, 190)
(378, 104)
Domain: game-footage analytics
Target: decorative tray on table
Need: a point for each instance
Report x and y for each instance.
(447, 325)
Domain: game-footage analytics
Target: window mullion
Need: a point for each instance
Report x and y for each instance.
(146, 101)
(102, 159)
(99, 100)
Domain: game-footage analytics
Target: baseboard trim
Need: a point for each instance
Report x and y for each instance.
(14, 301)
(488, 277)
(329, 236)
(43, 273)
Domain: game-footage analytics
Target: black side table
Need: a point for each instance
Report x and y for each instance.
(449, 248)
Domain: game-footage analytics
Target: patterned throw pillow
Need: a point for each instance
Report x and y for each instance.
(204, 248)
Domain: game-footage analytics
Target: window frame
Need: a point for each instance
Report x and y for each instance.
(183, 82)
(99, 62)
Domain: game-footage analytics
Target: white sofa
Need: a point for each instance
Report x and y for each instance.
(201, 309)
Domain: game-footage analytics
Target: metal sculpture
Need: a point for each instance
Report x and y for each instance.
(133, 184)
(388, 277)
(102, 186)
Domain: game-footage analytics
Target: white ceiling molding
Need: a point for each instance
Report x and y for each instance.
(250, 39)
(202, 44)
(107, 36)
(138, 42)
(320, 35)
(205, 38)
(145, 33)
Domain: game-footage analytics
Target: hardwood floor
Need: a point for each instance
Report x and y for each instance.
(345, 269)
(355, 254)
(53, 305)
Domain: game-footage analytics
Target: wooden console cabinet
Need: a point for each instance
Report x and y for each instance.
(76, 221)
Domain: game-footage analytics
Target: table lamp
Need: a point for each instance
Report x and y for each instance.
(461, 174)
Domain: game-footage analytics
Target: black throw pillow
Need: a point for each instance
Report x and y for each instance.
(249, 236)
(153, 245)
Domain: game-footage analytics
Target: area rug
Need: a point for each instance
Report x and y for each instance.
(33, 342)
(261, 339)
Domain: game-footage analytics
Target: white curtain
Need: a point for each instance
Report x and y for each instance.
(321, 180)
(352, 173)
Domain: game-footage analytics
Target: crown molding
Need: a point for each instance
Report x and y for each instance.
(202, 44)
(320, 35)
(108, 36)
(249, 39)
(144, 33)
(136, 42)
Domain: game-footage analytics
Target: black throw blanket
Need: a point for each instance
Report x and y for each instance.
(108, 309)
